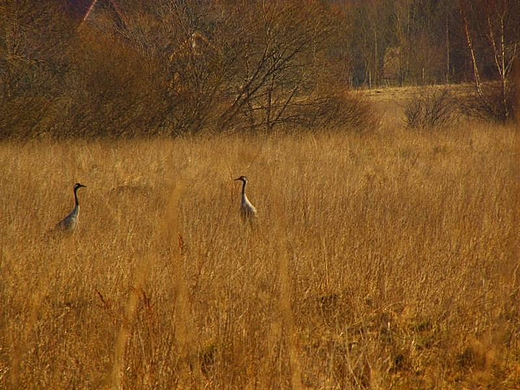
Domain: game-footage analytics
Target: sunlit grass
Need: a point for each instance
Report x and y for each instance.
(379, 260)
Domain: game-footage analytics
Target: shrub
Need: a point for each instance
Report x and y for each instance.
(242, 66)
(347, 110)
(493, 103)
(432, 108)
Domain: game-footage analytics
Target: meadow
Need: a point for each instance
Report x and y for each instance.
(387, 259)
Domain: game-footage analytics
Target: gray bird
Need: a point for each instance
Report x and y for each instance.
(70, 221)
(247, 210)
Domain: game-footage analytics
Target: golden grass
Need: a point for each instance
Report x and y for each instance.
(384, 260)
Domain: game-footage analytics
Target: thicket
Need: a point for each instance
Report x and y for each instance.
(172, 68)
(182, 67)
(432, 109)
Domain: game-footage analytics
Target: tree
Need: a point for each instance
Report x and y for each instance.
(492, 30)
(275, 62)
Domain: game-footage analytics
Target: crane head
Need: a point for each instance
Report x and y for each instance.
(242, 178)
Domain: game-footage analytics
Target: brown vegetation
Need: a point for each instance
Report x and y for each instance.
(172, 69)
(380, 260)
(163, 68)
(432, 108)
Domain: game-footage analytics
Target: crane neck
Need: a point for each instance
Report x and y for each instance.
(76, 200)
(244, 183)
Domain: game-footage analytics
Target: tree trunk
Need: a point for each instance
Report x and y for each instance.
(469, 40)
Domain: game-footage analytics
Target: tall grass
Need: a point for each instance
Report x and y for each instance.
(379, 260)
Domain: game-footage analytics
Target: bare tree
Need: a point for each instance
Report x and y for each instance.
(272, 60)
(174, 67)
(497, 30)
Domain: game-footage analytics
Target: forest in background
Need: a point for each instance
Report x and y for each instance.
(182, 67)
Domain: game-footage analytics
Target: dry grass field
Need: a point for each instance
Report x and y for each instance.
(379, 260)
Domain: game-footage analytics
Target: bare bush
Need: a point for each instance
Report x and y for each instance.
(113, 91)
(431, 109)
(176, 69)
(492, 103)
(274, 63)
(21, 118)
(345, 110)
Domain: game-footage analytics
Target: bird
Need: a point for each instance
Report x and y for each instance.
(69, 223)
(247, 210)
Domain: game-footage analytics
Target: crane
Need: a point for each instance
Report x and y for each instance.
(247, 210)
(70, 221)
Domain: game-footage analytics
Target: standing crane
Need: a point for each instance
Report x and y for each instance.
(247, 210)
(70, 221)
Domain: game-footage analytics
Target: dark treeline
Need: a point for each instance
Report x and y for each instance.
(418, 42)
(175, 67)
